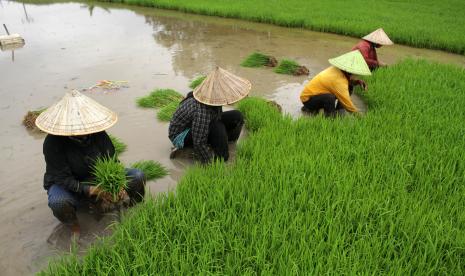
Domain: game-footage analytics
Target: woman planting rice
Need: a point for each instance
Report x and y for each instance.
(76, 140)
(330, 89)
(367, 46)
(200, 121)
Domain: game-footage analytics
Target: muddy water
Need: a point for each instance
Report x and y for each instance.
(73, 45)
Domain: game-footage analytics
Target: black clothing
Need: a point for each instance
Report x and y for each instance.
(69, 162)
(228, 128)
(325, 101)
(196, 116)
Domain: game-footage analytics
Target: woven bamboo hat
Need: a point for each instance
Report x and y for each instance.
(76, 114)
(378, 37)
(221, 87)
(352, 62)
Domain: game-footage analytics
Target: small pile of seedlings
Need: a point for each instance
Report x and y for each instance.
(291, 67)
(167, 100)
(159, 98)
(197, 82)
(29, 120)
(150, 168)
(258, 60)
(166, 112)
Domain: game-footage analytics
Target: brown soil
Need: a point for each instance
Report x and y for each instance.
(272, 62)
(275, 105)
(302, 70)
(30, 119)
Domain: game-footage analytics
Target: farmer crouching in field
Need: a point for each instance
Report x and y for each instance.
(367, 46)
(330, 88)
(76, 138)
(200, 121)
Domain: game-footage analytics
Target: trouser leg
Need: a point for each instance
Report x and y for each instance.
(325, 101)
(63, 204)
(136, 185)
(233, 122)
(218, 139)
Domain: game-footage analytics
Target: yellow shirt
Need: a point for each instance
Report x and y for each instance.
(331, 80)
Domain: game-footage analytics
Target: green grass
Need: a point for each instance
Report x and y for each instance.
(165, 113)
(159, 98)
(109, 175)
(119, 145)
(419, 23)
(197, 82)
(256, 60)
(151, 169)
(287, 66)
(378, 194)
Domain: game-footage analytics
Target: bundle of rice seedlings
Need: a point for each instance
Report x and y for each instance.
(150, 168)
(30, 118)
(120, 147)
(159, 98)
(165, 113)
(291, 67)
(258, 59)
(109, 175)
(197, 82)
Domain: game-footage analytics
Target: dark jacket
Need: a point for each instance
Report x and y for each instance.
(69, 163)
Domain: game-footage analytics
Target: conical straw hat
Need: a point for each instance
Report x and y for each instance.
(222, 87)
(378, 37)
(75, 114)
(352, 62)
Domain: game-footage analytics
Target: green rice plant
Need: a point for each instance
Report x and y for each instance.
(289, 67)
(165, 113)
(433, 26)
(109, 175)
(119, 145)
(378, 194)
(257, 60)
(197, 82)
(151, 169)
(159, 98)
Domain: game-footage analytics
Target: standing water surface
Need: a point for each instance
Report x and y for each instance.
(74, 45)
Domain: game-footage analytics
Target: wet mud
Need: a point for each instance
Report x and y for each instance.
(77, 45)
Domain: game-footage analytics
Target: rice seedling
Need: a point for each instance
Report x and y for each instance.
(258, 60)
(151, 169)
(119, 145)
(29, 120)
(433, 26)
(380, 194)
(197, 82)
(159, 98)
(109, 175)
(291, 67)
(166, 112)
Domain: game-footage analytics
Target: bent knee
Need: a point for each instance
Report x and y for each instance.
(136, 175)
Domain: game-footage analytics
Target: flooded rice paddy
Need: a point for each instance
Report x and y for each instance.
(75, 45)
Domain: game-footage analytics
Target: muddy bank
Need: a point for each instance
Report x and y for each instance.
(74, 45)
